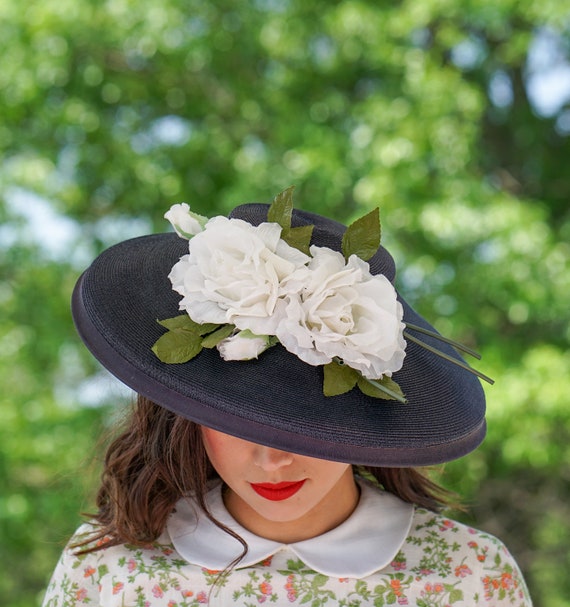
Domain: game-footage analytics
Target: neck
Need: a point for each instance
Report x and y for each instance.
(332, 510)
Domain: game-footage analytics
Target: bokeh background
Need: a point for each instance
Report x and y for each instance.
(452, 116)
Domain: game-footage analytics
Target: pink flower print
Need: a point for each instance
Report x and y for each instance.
(167, 551)
(117, 587)
(343, 580)
(267, 561)
(171, 603)
(398, 565)
(507, 581)
(487, 586)
(201, 597)
(89, 571)
(447, 524)
(157, 592)
(463, 571)
(290, 587)
(402, 600)
(438, 588)
(131, 565)
(187, 594)
(396, 587)
(473, 545)
(265, 588)
(81, 594)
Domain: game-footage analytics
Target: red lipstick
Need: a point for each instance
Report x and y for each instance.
(277, 492)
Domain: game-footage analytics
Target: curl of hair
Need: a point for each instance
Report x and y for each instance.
(159, 457)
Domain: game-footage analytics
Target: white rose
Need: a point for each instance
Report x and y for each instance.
(233, 274)
(185, 222)
(347, 313)
(243, 346)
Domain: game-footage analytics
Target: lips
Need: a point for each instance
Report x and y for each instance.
(277, 492)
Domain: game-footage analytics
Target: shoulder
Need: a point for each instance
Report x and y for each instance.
(448, 554)
(109, 571)
(429, 527)
(85, 549)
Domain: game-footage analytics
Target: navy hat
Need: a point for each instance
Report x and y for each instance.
(277, 399)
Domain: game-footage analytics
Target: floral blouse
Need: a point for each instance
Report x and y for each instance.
(386, 553)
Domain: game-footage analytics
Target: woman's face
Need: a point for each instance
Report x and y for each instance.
(280, 495)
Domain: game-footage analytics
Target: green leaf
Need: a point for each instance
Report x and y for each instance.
(206, 328)
(338, 379)
(177, 346)
(362, 237)
(281, 209)
(177, 322)
(455, 595)
(185, 322)
(212, 340)
(318, 581)
(295, 566)
(299, 237)
(366, 387)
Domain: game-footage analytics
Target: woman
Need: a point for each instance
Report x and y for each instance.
(273, 453)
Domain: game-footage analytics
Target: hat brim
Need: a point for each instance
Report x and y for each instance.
(276, 400)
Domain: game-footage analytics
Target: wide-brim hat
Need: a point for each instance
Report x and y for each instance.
(277, 399)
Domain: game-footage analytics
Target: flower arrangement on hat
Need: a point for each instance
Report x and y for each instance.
(246, 288)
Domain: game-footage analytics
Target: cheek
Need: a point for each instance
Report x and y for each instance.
(215, 447)
(336, 471)
(332, 476)
(224, 452)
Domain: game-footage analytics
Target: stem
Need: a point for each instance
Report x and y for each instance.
(387, 391)
(451, 342)
(455, 361)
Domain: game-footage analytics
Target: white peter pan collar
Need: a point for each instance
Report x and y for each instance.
(366, 542)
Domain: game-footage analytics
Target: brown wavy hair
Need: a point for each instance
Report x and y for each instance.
(159, 457)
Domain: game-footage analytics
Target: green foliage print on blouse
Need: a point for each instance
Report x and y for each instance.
(441, 563)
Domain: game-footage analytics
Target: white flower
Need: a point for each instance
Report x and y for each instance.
(243, 346)
(185, 222)
(233, 274)
(347, 313)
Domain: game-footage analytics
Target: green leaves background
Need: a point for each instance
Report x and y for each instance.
(112, 111)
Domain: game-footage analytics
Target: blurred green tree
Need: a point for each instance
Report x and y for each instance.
(438, 111)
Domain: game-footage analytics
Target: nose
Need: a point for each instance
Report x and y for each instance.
(270, 459)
